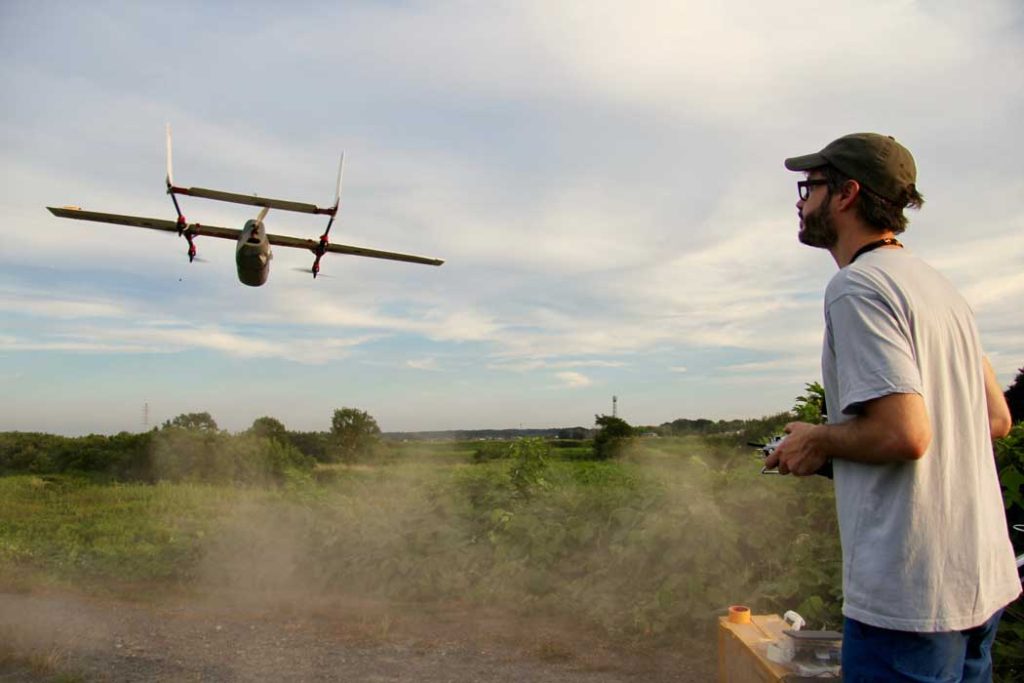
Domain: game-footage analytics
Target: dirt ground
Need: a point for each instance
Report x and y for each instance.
(66, 637)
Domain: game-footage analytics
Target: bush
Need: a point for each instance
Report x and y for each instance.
(529, 460)
(218, 458)
(612, 435)
(122, 456)
(1008, 650)
(169, 454)
(491, 450)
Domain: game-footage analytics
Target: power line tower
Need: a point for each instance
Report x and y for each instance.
(145, 416)
(615, 406)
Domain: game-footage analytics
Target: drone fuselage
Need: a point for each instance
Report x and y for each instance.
(252, 254)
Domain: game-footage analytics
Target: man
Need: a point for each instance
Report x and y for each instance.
(913, 407)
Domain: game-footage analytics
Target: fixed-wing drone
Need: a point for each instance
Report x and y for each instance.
(252, 251)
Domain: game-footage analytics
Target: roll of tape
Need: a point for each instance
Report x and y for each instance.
(739, 614)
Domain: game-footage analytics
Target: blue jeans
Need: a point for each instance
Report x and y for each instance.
(872, 654)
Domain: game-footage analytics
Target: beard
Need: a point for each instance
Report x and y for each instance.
(818, 229)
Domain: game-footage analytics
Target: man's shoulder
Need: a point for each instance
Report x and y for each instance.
(851, 280)
(880, 273)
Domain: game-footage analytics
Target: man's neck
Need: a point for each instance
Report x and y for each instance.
(852, 241)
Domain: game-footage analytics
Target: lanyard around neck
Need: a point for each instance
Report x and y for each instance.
(871, 246)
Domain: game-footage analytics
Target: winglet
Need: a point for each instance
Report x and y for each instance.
(170, 173)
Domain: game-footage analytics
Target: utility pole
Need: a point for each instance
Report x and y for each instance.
(145, 416)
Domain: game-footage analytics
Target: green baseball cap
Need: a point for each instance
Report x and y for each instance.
(876, 161)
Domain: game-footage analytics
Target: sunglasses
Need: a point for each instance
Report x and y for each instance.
(803, 187)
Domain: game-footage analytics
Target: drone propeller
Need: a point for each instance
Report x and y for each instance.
(309, 271)
(170, 173)
(170, 190)
(321, 247)
(337, 191)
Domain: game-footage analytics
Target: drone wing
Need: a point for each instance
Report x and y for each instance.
(314, 246)
(143, 222)
(252, 200)
(233, 234)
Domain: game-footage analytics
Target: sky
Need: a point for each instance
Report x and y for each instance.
(603, 179)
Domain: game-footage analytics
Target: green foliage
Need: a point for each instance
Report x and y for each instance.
(354, 433)
(1015, 397)
(529, 460)
(1008, 650)
(193, 422)
(756, 430)
(73, 528)
(811, 406)
(612, 435)
(215, 457)
(491, 450)
(1010, 461)
(269, 428)
(169, 454)
(685, 427)
(316, 445)
(122, 456)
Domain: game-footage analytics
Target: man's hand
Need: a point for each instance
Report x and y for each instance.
(799, 453)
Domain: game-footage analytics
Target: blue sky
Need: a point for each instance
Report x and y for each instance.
(605, 181)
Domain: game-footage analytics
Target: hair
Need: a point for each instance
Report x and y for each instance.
(874, 209)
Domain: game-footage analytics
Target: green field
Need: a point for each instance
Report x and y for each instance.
(651, 544)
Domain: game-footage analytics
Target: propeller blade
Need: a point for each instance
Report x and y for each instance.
(309, 271)
(337, 191)
(170, 173)
(262, 214)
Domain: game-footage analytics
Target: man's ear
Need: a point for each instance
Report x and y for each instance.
(847, 195)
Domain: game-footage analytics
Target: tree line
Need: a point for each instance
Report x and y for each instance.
(191, 447)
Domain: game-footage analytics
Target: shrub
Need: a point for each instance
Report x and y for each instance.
(529, 460)
(611, 437)
(1008, 650)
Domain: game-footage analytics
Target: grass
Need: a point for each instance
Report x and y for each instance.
(71, 528)
(644, 547)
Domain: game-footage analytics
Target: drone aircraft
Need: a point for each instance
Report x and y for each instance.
(253, 242)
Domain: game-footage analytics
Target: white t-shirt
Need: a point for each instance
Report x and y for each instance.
(925, 543)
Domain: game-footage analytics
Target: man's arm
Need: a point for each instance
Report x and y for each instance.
(999, 418)
(893, 428)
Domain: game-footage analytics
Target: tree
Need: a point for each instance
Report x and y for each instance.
(269, 428)
(811, 406)
(1015, 397)
(354, 433)
(193, 422)
(611, 437)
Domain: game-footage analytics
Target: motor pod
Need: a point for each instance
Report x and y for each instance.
(252, 254)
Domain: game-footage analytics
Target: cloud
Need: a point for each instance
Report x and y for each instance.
(40, 305)
(171, 338)
(573, 380)
(423, 364)
(532, 364)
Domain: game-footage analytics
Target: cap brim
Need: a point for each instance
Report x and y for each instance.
(806, 162)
